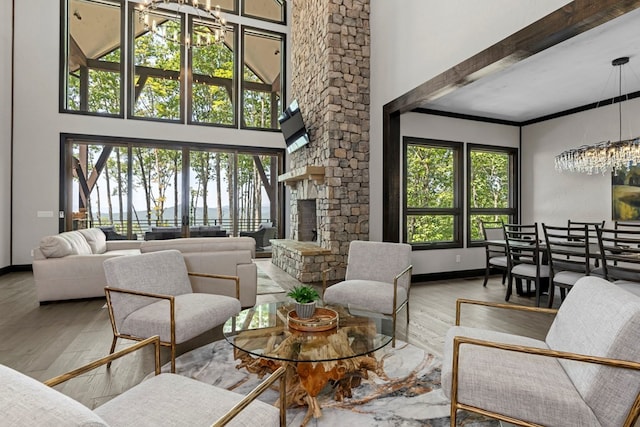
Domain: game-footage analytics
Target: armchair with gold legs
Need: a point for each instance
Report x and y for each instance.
(163, 399)
(586, 372)
(378, 279)
(150, 294)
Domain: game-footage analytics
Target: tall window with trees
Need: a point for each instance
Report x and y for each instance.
(176, 70)
(93, 64)
(213, 91)
(144, 190)
(433, 193)
(156, 61)
(262, 78)
(492, 184)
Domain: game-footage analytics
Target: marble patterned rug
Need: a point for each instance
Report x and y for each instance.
(411, 397)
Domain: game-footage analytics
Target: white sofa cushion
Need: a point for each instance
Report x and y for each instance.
(55, 247)
(78, 242)
(27, 402)
(96, 240)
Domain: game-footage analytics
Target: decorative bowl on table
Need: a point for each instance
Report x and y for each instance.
(323, 319)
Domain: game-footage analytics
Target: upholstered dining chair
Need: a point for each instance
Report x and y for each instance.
(378, 279)
(568, 252)
(525, 259)
(496, 255)
(150, 294)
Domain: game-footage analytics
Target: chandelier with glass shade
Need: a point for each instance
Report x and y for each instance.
(211, 28)
(606, 155)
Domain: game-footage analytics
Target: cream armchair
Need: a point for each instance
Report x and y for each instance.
(585, 373)
(378, 279)
(150, 294)
(164, 399)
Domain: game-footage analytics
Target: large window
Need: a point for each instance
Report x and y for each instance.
(262, 79)
(92, 80)
(491, 191)
(159, 190)
(180, 66)
(433, 183)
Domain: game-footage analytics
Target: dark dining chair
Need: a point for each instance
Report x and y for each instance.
(620, 255)
(568, 254)
(496, 255)
(525, 259)
(592, 227)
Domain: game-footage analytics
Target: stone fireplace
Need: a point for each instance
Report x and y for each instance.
(330, 81)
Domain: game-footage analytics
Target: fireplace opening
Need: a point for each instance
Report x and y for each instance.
(307, 221)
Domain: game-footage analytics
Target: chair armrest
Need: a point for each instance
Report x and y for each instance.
(155, 340)
(220, 276)
(108, 289)
(634, 413)
(280, 374)
(325, 272)
(461, 301)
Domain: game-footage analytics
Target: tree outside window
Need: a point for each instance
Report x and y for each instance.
(433, 192)
(491, 173)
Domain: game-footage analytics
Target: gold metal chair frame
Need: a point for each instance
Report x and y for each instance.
(278, 374)
(172, 313)
(632, 416)
(396, 308)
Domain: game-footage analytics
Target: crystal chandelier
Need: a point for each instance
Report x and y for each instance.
(211, 27)
(606, 155)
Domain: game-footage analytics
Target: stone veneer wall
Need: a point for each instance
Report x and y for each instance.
(330, 42)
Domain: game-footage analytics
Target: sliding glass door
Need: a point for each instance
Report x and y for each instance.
(157, 191)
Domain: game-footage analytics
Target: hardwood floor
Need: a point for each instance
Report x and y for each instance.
(45, 341)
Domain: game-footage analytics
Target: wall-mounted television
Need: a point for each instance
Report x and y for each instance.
(293, 129)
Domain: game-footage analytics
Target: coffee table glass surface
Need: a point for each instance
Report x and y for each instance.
(263, 331)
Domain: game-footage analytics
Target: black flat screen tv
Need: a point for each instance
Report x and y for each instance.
(293, 129)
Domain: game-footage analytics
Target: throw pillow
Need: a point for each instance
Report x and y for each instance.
(96, 239)
(55, 247)
(78, 242)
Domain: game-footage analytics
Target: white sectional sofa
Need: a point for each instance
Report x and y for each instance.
(69, 265)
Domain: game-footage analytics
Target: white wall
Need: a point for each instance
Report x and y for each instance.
(450, 129)
(38, 126)
(5, 132)
(552, 197)
(415, 40)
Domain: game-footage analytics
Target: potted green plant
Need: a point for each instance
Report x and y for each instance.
(305, 297)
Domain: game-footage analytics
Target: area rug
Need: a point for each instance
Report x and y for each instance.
(411, 397)
(266, 285)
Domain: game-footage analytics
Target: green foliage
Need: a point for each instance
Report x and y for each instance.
(431, 182)
(303, 294)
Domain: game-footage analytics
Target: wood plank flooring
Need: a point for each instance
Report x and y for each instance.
(45, 341)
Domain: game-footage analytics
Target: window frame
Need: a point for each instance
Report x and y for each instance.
(63, 88)
(283, 19)
(512, 210)
(67, 140)
(189, 82)
(131, 73)
(456, 211)
(283, 73)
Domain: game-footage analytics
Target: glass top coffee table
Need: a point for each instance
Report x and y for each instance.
(263, 341)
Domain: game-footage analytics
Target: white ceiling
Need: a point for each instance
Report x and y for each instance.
(570, 74)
